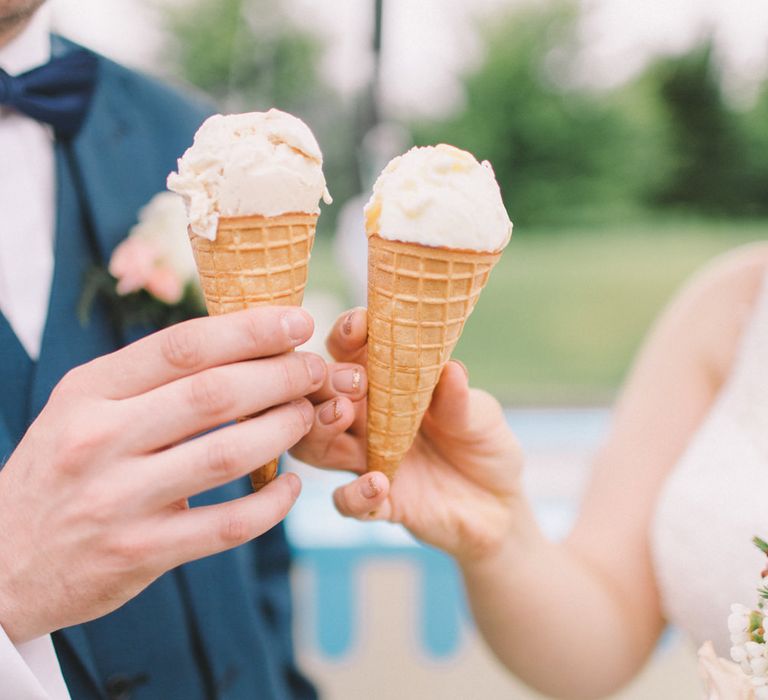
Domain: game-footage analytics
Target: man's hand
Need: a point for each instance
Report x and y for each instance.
(458, 486)
(93, 502)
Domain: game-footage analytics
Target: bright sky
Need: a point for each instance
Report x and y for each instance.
(429, 42)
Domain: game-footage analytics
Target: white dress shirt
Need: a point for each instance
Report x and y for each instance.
(28, 671)
(26, 197)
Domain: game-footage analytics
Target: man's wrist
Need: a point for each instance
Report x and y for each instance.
(9, 619)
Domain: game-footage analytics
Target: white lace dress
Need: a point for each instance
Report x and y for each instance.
(716, 499)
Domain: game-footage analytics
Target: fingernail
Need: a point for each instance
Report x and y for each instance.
(462, 365)
(330, 413)
(316, 368)
(346, 326)
(296, 325)
(294, 482)
(370, 487)
(307, 412)
(347, 381)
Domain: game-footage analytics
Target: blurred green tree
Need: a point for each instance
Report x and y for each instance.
(754, 125)
(558, 152)
(245, 52)
(709, 164)
(563, 153)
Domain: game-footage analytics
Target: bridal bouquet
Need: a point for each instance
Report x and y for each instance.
(746, 677)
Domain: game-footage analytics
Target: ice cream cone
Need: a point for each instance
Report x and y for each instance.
(419, 298)
(254, 261)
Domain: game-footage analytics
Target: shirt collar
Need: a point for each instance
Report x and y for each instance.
(31, 48)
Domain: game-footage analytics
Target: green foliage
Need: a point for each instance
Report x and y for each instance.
(137, 309)
(556, 151)
(245, 52)
(563, 154)
(754, 124)
(710, 168)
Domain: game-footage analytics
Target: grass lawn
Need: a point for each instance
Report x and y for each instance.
(566, 310)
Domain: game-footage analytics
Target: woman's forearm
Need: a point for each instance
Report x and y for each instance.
(551, 618)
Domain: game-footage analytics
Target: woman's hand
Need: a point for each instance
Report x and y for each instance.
(458, 486)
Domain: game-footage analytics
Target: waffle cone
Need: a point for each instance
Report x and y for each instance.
(255, 261)
(419, 298)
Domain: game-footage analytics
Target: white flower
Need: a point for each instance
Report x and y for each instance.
(759, 666)
(738, 622)
(739, 638)
(157, 255)
(754, 650)
(163, 222)
(738, 654)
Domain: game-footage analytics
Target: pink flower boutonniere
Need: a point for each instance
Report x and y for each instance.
(151, 279)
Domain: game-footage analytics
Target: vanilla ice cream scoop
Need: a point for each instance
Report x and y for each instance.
(439, 196)
(258, 163)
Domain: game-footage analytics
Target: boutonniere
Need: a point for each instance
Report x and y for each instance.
(151, 279)
(746, 676)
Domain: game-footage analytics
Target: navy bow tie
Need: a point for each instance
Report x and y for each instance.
(57, 93)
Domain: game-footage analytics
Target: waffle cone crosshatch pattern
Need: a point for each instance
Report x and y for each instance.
(255, 261)
(418, 301)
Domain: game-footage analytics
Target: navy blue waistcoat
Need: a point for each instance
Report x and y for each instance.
(215, 628)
